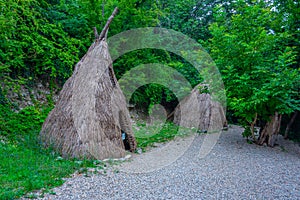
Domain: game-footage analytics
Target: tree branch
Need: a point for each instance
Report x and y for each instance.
(95, 33)
(105, 29)
(252, 127)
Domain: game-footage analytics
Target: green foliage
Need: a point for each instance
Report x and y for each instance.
(31, 47)
(247, 132)
(25, 166)
(190, 17)
(132, 14)
(256, 62)
(148, 135)
(131, 65)
(28, 120)
(44, 39)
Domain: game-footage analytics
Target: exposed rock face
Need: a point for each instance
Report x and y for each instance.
(25, 96)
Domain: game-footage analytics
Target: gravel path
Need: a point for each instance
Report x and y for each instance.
(232, 170)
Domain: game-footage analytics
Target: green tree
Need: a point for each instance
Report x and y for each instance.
(256, 62)
(31, 47)
(289, 13)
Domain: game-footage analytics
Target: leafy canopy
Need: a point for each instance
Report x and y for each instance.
(256, 61)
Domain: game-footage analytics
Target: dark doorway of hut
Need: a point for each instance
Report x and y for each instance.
(125, 140)
(128, 139)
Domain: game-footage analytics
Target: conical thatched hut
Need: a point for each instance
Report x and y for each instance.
(91, 114)
(211, 113)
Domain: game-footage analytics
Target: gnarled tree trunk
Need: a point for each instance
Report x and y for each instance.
(270, 131)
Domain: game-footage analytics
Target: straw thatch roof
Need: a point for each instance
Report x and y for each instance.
(91, 112)
(210, 114)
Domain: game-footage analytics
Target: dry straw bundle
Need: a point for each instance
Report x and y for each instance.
(91, 113)
(210, 114)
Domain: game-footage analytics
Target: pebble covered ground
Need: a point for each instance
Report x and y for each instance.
(233, 169)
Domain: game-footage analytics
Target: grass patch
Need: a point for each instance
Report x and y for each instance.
(24, 170)
(158, 132)
(24, 165)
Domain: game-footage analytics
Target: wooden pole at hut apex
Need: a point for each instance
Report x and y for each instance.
(105, 29)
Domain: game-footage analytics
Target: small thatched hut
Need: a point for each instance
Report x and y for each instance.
(90, 116)
(211, 113)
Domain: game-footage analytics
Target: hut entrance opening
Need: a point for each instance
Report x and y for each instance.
(126, 132)
(125, 140)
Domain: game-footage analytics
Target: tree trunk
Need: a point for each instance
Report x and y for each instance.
(270, 131)
(290, 124)
(252, 127)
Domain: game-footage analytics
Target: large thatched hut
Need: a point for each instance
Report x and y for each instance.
(210, 113)
(90, 118)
